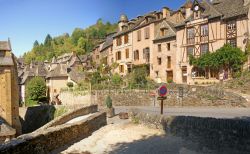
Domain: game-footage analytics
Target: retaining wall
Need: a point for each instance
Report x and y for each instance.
(74, 98)
(192, 96)
(222, 136)
(54, 137)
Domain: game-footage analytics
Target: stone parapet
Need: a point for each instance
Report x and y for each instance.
(218, 135)
(69, 116)
(54, 137)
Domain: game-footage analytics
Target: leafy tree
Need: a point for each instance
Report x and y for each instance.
(81, 41)
(36, 43)
(47, 41)
(225, 57)
(36, 90)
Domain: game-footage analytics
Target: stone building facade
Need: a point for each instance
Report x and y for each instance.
(163, 40)
(9, 93)
(207, 28)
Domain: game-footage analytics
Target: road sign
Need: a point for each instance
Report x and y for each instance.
(163, 91)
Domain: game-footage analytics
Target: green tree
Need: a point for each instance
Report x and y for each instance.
(225, 57)
(47, 41)
(35, 91)
(36, 43)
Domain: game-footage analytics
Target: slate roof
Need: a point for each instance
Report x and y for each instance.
(171, 31)
(137, 23)
(5, 45)
(108, 42)
(6, 61)
(76, 75)
(37, 69)
(223, 9)
(59, 71)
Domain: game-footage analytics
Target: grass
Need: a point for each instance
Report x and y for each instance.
(60, 111)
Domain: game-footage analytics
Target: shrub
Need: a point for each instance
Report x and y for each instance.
(116, 79)
(70, 84)
(60, 111)
(35, 91)
(109, 102)
(170, 81)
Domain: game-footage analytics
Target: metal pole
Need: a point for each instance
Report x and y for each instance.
(162, 107)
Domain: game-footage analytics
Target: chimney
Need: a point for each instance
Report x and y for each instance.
(188, 8)
(166, 12)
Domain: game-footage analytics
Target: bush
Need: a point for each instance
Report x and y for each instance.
(30, 102)
(170, 81)
(70, 84)
(109, 102)
(35, 91)
(116, 79)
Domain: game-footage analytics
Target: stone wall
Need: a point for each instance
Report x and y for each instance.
(229, 136)
(75, 98)
(193, 96)
(71, 115)
(54, 137)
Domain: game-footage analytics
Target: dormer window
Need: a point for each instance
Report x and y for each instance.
(163, 31)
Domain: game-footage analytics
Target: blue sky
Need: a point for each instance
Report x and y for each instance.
(24, 21)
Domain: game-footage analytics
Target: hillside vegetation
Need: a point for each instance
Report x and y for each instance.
(80, 41)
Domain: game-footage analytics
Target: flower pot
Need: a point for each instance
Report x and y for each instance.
(110, 112)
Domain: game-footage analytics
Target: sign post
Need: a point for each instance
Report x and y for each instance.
(162, 92)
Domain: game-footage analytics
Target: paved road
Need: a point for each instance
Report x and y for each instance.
(194, 111)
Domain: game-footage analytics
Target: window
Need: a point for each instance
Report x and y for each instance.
(232, 33)
(169, 62)
(159, 60)
(121, 68)
(127, 53)
(231, 25)
(190, 50)
(146, 54)
(163, 32)
(168, 46)
(232, 42)
(204, 33)
(136, 55)
(147, 32)
(139, 35)
(126, 39)
(129, 67)
(157, 73)
(159, 47)
(118, 55)
(190, 36)
(118, 41)
(198, 72)
(204, 49)
(2, 53)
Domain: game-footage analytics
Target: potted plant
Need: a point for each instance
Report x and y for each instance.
(110, 109)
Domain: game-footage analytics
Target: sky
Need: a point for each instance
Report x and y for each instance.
(24, 21)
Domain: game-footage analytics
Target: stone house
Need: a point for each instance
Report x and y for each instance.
(34, 69)
(9, 102)
(208, 26)
(135, 43)
(67, 68)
